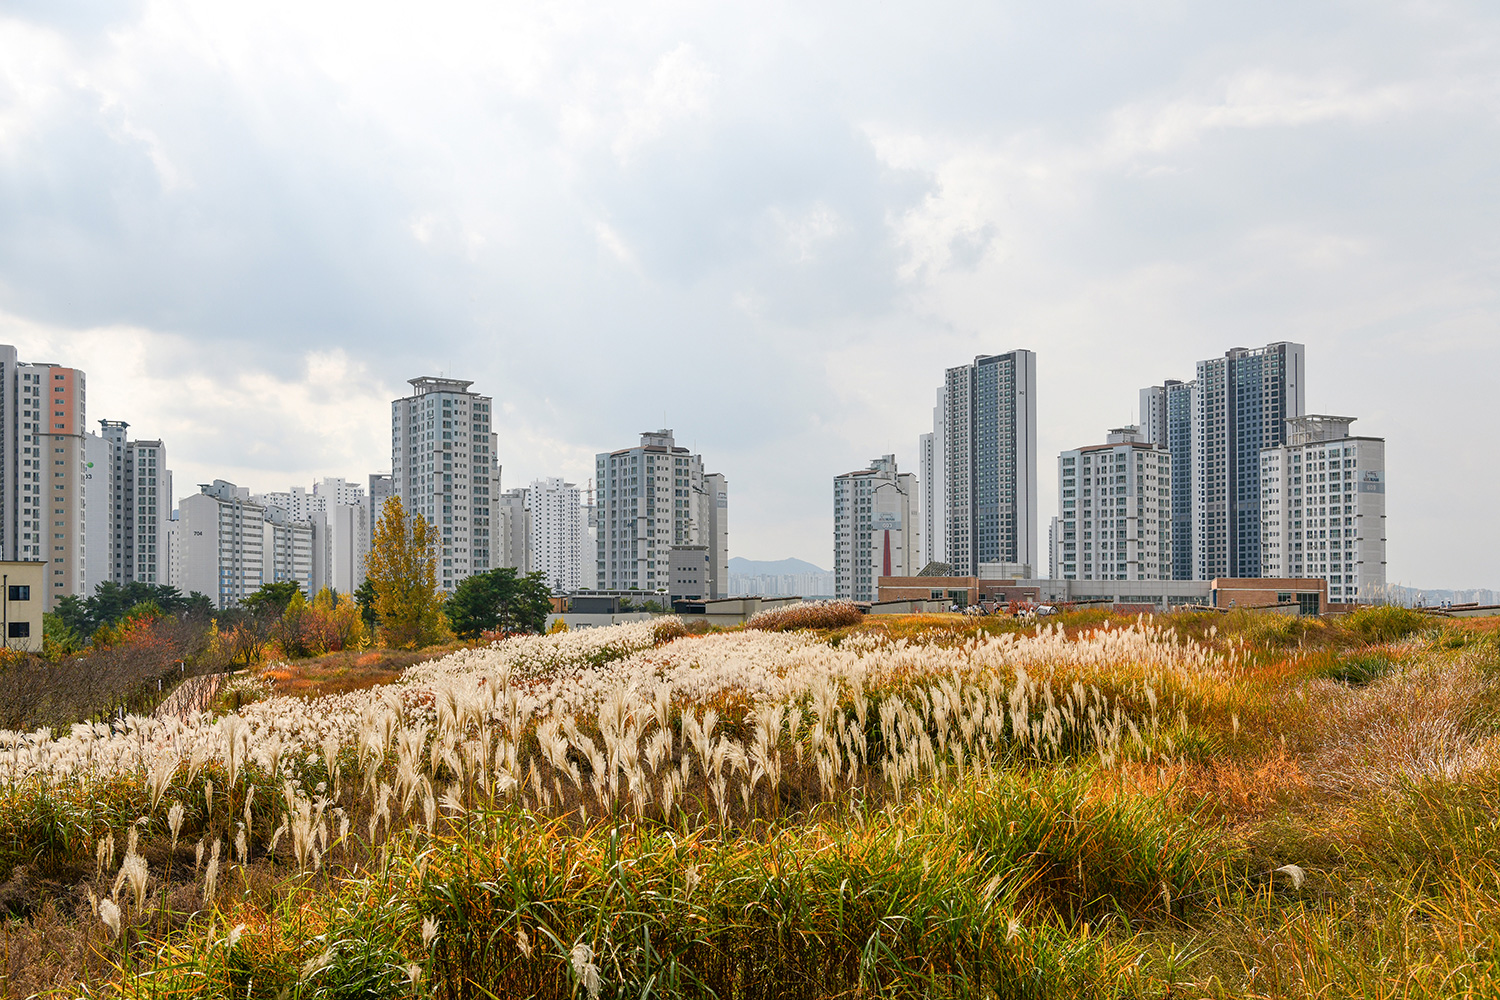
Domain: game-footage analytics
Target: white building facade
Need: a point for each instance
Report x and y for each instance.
(558, 533)
(287, 548)
(934, 502)
(223, 539)
(875, 530)
(650, 498)
(444, 468)
(1114, 517)
(713, 511)
(1323, 508)
(337, 512)
(140, 488)
(42, 466)
(1167, 422)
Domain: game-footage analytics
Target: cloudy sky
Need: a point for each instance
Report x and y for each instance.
(769, 226)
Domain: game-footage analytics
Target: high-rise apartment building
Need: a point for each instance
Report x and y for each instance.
(1167, 422)
(444, 468)
(1323, 507)
(338, 514)
(140, 505)
(650, 498)
(341, 543)
(287, 549)
(714, 512)
(98, 511)
(223, 541)
(1114, 517)
(42, 470)
(1241, 405)
(337, 489)
(381, 490)
(558, 533)
(934, 503)
(989, 458)
(298, 502)
(875, 529)
(512, 530)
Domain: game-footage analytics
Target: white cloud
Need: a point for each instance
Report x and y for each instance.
(679, 88)
(251, 223)
(240, 422)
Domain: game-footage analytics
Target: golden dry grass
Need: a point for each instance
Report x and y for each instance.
(1159, 869)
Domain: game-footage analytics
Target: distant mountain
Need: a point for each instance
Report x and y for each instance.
(780, 567)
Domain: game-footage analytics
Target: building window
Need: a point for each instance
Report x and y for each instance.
(19, 630)
(19, 592)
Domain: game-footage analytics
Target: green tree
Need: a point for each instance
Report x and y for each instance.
(499, 601)
(169, 599)
(72, 614)
(402, 570)
(197, 605)
(364, 596)
(271, 599)
(59, 637)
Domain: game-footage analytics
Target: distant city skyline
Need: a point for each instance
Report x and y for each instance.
(758, 225)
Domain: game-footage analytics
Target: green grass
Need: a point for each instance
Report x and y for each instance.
(1160, 870)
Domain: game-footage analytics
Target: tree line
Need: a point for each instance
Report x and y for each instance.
(124, 647)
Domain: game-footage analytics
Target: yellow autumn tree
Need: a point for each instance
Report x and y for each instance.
(402, 569)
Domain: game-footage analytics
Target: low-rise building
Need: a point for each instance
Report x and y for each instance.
(1284, 596)
(23, 587)
(689, 568)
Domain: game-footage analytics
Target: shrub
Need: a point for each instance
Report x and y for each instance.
(1384, 624)
(1085, 854)
(1356, 668)
(808, 615)
(1272, 631)
(668, 629)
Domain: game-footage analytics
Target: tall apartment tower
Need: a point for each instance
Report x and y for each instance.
(287, 550)
(223, 543)
(42, 468)
(342, 524)
(512, 530)
(337, 513)
(1241, 405)
(650, 498)
(714, 512)
(381, 489)
(140, 505)
(1323, 508)
(1114, 510)
(559, 533)
(1167, 422)
(934, 505)
(444, 468)
(874, 528)
(989, 453)
(98, 513)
